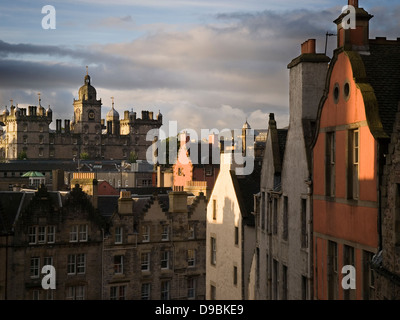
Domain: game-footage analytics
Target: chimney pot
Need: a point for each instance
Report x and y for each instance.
(353, 3)
(309, 46)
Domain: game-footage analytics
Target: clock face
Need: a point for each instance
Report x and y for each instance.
(91, 115)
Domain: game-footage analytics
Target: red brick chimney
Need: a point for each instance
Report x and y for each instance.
(308, 46)
(353, 3)
(357, 38)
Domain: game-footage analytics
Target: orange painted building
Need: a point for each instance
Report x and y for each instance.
(354, 123)
(189, 169)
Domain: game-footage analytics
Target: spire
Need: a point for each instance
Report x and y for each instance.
(40, 100)
(12, 102)
(87, 70)
(112, 99)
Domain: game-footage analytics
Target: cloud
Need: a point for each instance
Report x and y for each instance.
(213, 75)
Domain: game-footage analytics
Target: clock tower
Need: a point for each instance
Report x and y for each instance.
(87, 110)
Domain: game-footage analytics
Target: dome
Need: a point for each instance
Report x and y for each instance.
(112, 114)
(87, 91)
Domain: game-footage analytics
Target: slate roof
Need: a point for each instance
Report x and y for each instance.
(282, 135)
(383, 73)
(246, 187)
(9, 204)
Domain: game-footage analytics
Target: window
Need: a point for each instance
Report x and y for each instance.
(118, 264)
(332, 271)
(76, 293)
(284, 282)
(41, 140)
(145, 233)
(336, 93)
(165, 233)
(50, 294)
(164, 259)
(51, 234)
(275, 213)
(81, 263)
(48, 261)
(25, 140)
(353, 169)
(35, 265)
(214, 209)
(304, 290)
(213, 251)
(117, 293)
(71, 265)
(236, 235)
(262, 211)
(330, 164)
(40, 152)
(275, 279)
(235, 275)
(41, 234)
(146, 289)
(368, 277)
(191, 287)
(76, 263)
(209, 170)
(165, 290)
(191, 231)
(35, 295)
(83, 232)
(73, 235)
(118, 235)
(145, 261)
(213, 292)
(191, 258)
(304, 233)
(285, 232)
(32, 234)
(348, 259)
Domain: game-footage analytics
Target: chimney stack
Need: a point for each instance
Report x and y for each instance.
(308, 46)
(125, 202)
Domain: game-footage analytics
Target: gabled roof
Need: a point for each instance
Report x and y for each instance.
(245, 188)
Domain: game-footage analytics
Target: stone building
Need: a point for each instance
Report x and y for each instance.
(386, 263)
(283, 263)
(230, 232)
(50, 228)
(27, 133)
(156, 248)
(353, 129)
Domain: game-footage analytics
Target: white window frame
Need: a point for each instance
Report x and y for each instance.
(118, 235)
(145, 263)
(191, 258)
(191, 286)
(165, 288)
(146, 291)
(164, 260)
(73, 234)
(213, 251)
(165, 232)
(51, 230)
(41, 234)
(145, 233)
(81, 263)
(35, 267)
(32, 234)
(71, 264)
(83, 233)
(119, 267)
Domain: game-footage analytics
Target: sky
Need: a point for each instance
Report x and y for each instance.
(203, 63)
